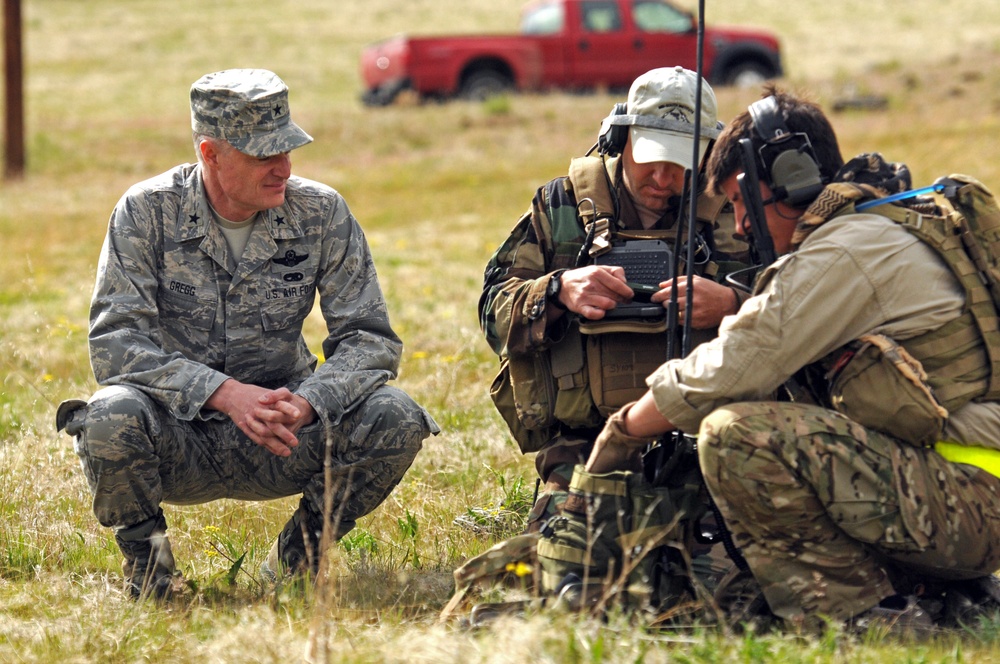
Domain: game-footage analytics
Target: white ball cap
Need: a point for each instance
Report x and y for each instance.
(670, 93)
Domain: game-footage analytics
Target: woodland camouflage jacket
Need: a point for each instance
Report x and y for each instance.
(546, 238)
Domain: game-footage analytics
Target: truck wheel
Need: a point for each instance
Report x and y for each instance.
(377, 97)
(485, 83)
(748, 75)
(384, 94)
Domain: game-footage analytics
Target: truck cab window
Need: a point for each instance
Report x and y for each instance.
(544, 19)
(659, 17)
(600, 16)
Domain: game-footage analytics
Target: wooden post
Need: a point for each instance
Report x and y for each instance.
(13, 91)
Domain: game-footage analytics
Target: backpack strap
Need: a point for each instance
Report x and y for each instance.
(591, 177)
(950, 235)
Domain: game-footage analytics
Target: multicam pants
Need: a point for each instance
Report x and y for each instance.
(136, 455)
(820, 506)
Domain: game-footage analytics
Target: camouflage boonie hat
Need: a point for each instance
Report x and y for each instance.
(248, 108)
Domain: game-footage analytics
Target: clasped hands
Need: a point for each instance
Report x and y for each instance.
(270, 418)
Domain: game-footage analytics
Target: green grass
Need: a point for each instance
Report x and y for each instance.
(437, 187)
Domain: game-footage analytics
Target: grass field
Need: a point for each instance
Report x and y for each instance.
(436, 187)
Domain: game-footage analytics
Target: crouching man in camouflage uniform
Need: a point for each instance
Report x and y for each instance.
(206, 276)
(545, 299)
(836, 519)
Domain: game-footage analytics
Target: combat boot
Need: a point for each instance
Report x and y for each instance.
(896, 615)
(548, 504)
(550, 500)
(296, 550)
(742, 603)
(148, 566)
(967, 602)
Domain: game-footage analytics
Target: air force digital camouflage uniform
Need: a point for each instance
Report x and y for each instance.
(829, 514)
(174, 315)
(171, 320)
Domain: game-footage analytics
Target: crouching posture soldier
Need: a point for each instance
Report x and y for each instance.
(206, 276)
(559, 306)
(840, 507)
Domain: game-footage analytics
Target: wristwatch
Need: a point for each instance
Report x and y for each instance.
(553, 289)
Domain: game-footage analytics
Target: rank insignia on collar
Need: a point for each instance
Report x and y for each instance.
(290, 259)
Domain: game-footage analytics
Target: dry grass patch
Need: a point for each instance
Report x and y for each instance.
(437, 187)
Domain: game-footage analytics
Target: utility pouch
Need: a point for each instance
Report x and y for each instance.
(537, 393)
(619, 359)
(524, 401)
(879, 385)
(574, 406)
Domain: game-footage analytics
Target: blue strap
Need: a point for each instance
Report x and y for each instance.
(903, 195)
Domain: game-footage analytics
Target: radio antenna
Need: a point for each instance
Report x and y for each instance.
(695, 187)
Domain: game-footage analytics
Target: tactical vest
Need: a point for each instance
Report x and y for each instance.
(908, 388)
(595, 368)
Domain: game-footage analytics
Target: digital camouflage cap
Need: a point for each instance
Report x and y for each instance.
(248, 108)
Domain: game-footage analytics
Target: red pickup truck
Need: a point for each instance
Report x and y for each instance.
(566, 44)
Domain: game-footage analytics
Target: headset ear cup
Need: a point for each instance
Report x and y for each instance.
(786, 159)
(798, 175)
(611, 140)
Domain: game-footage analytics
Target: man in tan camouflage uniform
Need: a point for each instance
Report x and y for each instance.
(206, 276)
(541, 286)
(835, 519)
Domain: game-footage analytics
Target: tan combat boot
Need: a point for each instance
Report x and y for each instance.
(296, 550)
(148, 567)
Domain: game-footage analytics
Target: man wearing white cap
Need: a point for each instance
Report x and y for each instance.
(548, 302)
(209, 390)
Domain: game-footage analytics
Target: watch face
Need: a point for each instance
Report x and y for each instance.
(553, 289)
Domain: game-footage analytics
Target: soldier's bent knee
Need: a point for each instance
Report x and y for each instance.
(115, 415)
(395, 409)
(728, 428)
(718, 428)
